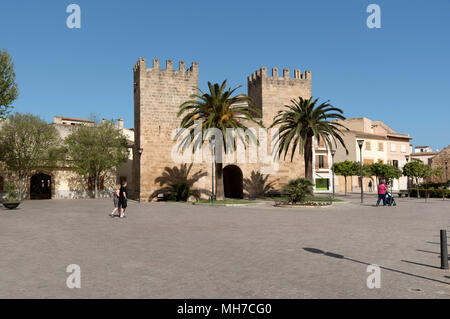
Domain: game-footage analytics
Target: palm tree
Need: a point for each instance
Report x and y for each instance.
(216, 109)
(300, 122)
(257, 185)
(173, 177)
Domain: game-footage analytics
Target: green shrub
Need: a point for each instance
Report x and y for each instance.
(12, 194)
(298, 189)
(432, 192)
(180, 192)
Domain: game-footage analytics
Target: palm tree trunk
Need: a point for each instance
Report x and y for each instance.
(219, 182)
(308, 154)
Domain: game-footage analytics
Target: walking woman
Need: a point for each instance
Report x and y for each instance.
(123, 199)
(116, 196)
(382, 193)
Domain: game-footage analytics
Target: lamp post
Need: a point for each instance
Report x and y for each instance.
(140, 150)
(446, 173)
(360, 144)
(212, 142)
(407, 177)
(333, 152)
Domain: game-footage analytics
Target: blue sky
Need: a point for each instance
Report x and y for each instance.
(399, 74)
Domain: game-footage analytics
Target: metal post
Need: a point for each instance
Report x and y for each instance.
(139, 177)
(332, 167)
(212, 171)
(444, 253)
(360, 144)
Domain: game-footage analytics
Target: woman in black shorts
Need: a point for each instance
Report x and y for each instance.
(123, 198)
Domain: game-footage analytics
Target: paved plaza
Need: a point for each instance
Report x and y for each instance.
(171, 250)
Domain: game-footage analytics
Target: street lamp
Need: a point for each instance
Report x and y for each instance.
(360, 144)
(140, 150)
(446, 172)
(407, 177)
(211, 144)
(333, 152)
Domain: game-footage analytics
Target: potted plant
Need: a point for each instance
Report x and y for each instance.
(12, 198)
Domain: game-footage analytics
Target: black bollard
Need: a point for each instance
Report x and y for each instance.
(444, 254)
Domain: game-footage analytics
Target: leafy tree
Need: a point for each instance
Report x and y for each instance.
(257, 185)
(384, 171)
(28, 143)
(346, 168)
(179, 183)
(417, 170)
(301, 121)
(218, 109)
(94, 150)
(8, 86)
(298, 189)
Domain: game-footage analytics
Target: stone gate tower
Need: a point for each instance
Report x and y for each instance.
(158, 93)
(270, 94)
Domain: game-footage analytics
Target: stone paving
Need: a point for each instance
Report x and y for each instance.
(171, 250)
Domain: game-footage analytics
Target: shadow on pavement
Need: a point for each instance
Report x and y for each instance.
(338, 256)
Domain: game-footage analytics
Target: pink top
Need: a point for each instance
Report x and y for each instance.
(382, 189)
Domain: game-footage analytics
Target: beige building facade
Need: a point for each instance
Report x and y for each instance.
(381, 145)
(62, 182)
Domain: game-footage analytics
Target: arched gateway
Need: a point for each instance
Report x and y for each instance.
(41, 186)
(233, 182)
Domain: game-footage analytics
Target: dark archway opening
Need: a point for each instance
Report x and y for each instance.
(41, 186)
(233, 182)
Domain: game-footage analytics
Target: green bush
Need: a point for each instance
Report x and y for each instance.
(12, 194)
(434, 185)
(298, 189)
(432, 192)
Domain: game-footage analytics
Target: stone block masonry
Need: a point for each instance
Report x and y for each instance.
(158, 94)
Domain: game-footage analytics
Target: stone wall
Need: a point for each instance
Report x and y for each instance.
(158, 94)
(439, 161)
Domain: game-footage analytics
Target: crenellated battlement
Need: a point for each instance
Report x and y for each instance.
(141, 66)
(262, 74)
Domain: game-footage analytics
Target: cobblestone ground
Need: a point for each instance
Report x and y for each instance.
(170, 250)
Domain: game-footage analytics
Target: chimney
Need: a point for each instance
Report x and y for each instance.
(120, 123)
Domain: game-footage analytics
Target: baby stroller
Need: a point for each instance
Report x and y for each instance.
(390, 201)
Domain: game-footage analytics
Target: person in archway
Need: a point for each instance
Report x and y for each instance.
(382, 193)
(370, 186)
(123, 199)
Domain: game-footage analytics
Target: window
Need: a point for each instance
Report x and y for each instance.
(322, 184)
(368, 146)
(403, 148)
(393, 147)
(381, 147)
(395, 163)
(321, 161)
